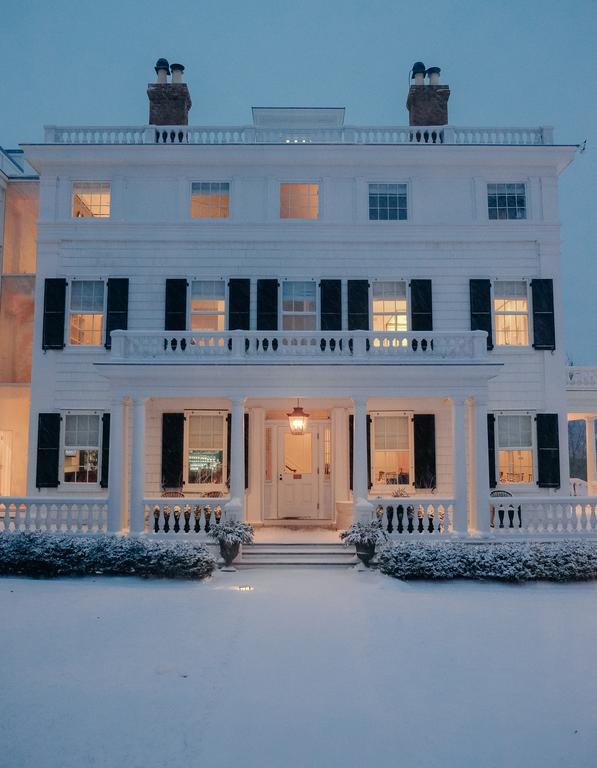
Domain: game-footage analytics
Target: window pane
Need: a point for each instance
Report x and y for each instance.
(389, 306)
(208, 305)
(391, 450)
(210, 200)
(206, 449)
(81, 448)
(506, 201)
(91, 199)
(299, 201)
(387, 202)
(515, 466)
(510, 304)
(298, 454)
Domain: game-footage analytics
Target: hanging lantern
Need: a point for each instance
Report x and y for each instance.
(298, 420)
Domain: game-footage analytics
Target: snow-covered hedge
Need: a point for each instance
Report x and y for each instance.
(509, 561)
(62, 554)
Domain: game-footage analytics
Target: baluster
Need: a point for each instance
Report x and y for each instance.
(207, 514)
(197, 515)
(390, 519)
(410, 513)
(400, 518)
(420, 515)
(187, 518)
(156, 518)
(430, 516)
(176, 510)
(166, 513)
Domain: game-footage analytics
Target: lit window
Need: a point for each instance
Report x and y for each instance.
(390, 460)
(387, 202)
(210, 200)
(86, 312)
(208, 299)
(81, 448)
(515, 449)
(205, 449)
(511, 309)
(327, 452)
(389, 307)
(506, 201)
(91, 199)
(299, 201)
(298, 306)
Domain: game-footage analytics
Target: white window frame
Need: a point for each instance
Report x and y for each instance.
(408, 202)
(290, 219)
(68, 312)
(212, 219)
(516, 486)
(404, 280)
(281, 312)
(527, 187)
(76, 485)
(512, 347)
(190, 312)
(386, 490)
(73, 184)
(200, 489)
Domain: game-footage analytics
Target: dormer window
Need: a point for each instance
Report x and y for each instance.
(210, 200)
(91, 199)
(299, 201)
(506, 201)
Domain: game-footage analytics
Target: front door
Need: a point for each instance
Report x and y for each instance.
(298, 486)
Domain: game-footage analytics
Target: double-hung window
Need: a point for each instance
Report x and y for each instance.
(206, 451)
(86, 312)
(515, 448)
(387, 202)
(391, 450)
(208, 305)
(91, 199)
(511, 312)
(81, 448)
(299, 201)
(299, 306)
(210, 200)
(506, 201)
(389, 303)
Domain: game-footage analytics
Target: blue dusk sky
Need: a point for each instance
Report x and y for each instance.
(510, 63)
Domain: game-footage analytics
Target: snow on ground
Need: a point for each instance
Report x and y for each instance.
(314, 667)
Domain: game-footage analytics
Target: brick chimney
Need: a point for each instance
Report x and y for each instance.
(427, 103)
(169, 103)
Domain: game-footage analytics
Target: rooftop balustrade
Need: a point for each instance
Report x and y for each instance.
(249, 134)
(581, 378)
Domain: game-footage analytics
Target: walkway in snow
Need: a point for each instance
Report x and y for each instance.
(312, 668)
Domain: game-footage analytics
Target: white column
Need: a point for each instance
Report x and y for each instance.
(116, 484)
(479, 510)
(340, 469)
(256, 468)
(459, 466)
(137, 513)
(235, 508)
(362, 508)
(591, 457)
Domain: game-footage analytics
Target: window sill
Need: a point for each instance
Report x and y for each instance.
(86, 349)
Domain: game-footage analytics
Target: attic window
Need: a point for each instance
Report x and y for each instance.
(91, 199)
(299, 201)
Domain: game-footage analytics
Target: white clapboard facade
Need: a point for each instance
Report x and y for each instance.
(400, 285)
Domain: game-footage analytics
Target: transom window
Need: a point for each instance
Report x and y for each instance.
(210, 200)
(390, 306)
(206, 438)
(86, 322)
(511, 310)
(391, 454)
(81, 448)
(299, 201)
(208, 305)
(91, 199)
(515, 448)
(387, 202)
(299, 306)
(507, 201)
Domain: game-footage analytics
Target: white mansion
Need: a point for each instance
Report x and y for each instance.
(294, 322)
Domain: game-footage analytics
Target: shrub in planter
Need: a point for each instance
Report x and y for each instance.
(63, 554)
(230, 534)
(364, 537)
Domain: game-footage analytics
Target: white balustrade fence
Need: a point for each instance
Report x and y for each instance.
(248, 134)
(581, 378)
(278, 346)
(557, 515)
(20, 514)
(413, 515)
(183, 516)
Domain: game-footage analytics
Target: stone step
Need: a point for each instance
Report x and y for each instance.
(302, 548)
(275, 559)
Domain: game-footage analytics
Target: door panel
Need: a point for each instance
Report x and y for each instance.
(297, 475)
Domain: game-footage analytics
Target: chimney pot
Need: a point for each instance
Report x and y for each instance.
(162, 70)
(177, 70)
(427, 104)
(433, 75)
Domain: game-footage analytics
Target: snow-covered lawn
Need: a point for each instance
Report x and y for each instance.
(313, 667)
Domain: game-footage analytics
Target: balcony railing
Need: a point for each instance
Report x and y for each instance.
(559, 515)
(581, 378)
(289, 346)
(248, 134)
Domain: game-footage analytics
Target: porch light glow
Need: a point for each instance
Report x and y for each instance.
(297, 420)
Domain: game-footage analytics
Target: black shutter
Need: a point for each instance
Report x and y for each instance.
(117, 310)
(105, 451)
(246, 451)
(267, 305)
(48, 449)
(228, 446)
(491, 449)
(350, 450)
(424, 439)
(331, 305)
(239, 298)
(54, 306)
(172, 449)
(358, 305)
(480, 300)
(368, 451)
(548, 450)
(421, 305)
(176, 305)
(544, 330)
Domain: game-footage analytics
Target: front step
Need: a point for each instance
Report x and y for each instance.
(295, 554)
